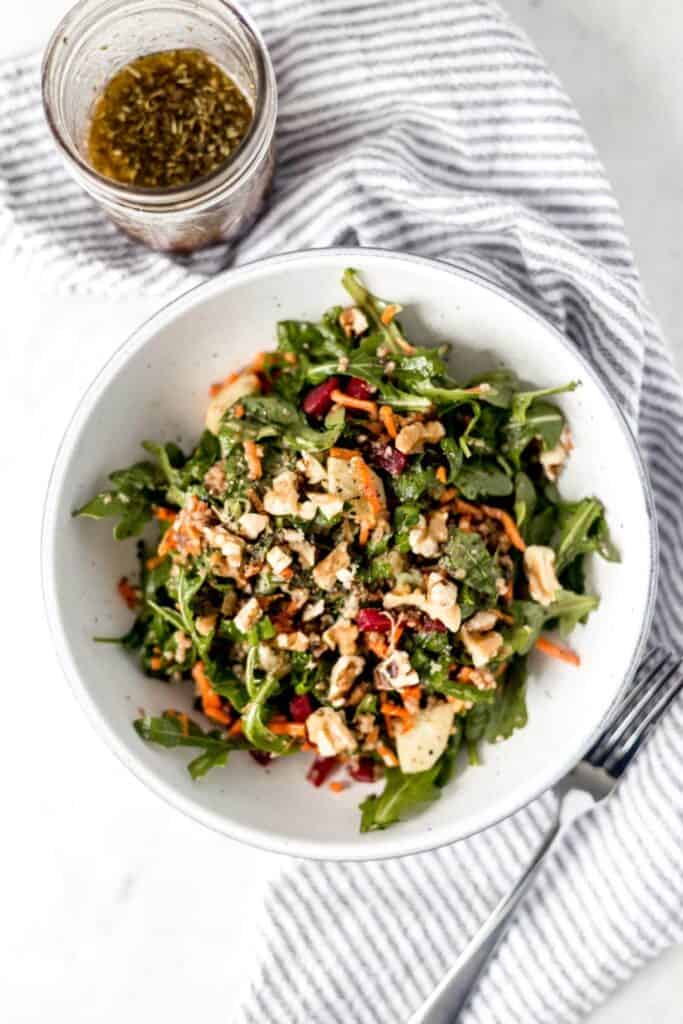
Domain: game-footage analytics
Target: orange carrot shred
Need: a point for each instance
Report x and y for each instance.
(442, 475)
(509, 525)
(386, 414)
(288, 729)
(559, 651)
(155, 664)
(236, 728)
(344, 453)
(152, 563)
(252, 453)
(128, 592)
(359, 404)
(387, 755)
(338, 787)
(369, 487)
(447, 495)
(377, 644)
(364, 532)
(238, 411)
(164, 515)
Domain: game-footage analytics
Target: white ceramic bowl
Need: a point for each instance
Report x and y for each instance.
(155, 387)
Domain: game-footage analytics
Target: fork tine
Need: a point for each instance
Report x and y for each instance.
(623, 752)
(625, 714)
(657, 682)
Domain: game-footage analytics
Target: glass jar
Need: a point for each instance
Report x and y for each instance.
(95, 40)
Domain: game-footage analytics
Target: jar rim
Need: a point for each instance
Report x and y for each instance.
(205, 190)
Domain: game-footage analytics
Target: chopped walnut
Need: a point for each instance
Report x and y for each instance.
(312, 611)
(328, 730)
(189, 526)
(412, 438)
(292, 641)
(183, 644)
(326, 572)
(343, 634)
(301, 547)
(481, 645)
(482, 621)
(539, 563)
(278, 559)
(205, 624)
(353, 321)
(229, 545)
(426, 538)
(312, 469)
(252, 524)
(344, 673)
(439, 602)
(553, 460)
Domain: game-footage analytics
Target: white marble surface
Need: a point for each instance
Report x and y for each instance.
(113, 905)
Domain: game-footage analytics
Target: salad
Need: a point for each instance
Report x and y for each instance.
(356, 560)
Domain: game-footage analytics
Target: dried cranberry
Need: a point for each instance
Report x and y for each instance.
(300, 707)
(390, 459)
(261, 756)
(320, 769)
(362, 770)
(318, 401)
(357, 388)
(373, 619)
(432, 625)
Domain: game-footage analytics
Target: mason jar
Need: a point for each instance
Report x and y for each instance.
(99, 37)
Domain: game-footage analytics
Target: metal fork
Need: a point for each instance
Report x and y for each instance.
(654, 686)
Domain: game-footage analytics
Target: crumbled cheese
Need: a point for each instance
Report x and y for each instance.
(344, 673)
(421, 746)
(427, 536)
(246, 384)
(482, 621)
(282, 499)
(301, 547)
(252, 524)
(413, 437)
(353, 321)
(248, 615)
(396, 672)
(312, 611)
(278, 559)
(343, 634)
(329, 504)
(312, 469)
(326, 572)
(328, 730)
(539, 564)
(292, 641)
(554, 459)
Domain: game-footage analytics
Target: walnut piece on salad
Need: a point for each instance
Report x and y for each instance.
(357, 559)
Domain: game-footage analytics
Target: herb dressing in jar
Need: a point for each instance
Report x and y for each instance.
(164, 112)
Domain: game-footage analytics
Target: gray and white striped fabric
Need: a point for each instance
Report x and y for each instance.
(434, 127)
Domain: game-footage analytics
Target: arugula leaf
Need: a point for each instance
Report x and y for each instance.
(317, 341)
(168, 614)
(542, 420)
(529, 619)
(401, 794)
(525, 500)
(523, 399)
(577, 530)
(454, 457)
(168, 731)
(569, 609)
(411, 484)
(273, 411)
(254, 717)
(509, 711)
(466, 554)
(373, 308)
(480, 478)
(542, 527)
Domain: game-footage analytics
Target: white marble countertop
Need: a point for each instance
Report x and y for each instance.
(114, 906)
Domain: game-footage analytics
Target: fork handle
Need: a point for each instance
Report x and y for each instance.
(451, 994)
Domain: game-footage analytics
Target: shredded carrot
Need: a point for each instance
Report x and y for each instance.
(288, 729)
(218, 386)
(359, 404)
(236, 728)
(364, 532)
(559, 651)
(504, 617)
(411, 694)
(397, 633)
(152, 563)
(155, 664)
(447, 495)
(465, 674)
(164, 515)
(238, 411)
(211, 702)
(306, 745)
(217, 715)
(167, 543)
(389, 312)
(466, 509)
(290, 357)
(255, 500)
(184, 723)
(390, 710)
(338, 787)
(406, 347)
(387, 755)
(377, 644)
(509, 592)
(128, 592)
(509, 525)
(344, 453)
(252, 453)
(258, 362)
(442, 475)
(369, 487)
(386, 414)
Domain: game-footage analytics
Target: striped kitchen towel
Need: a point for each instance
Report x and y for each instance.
(433, 126)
